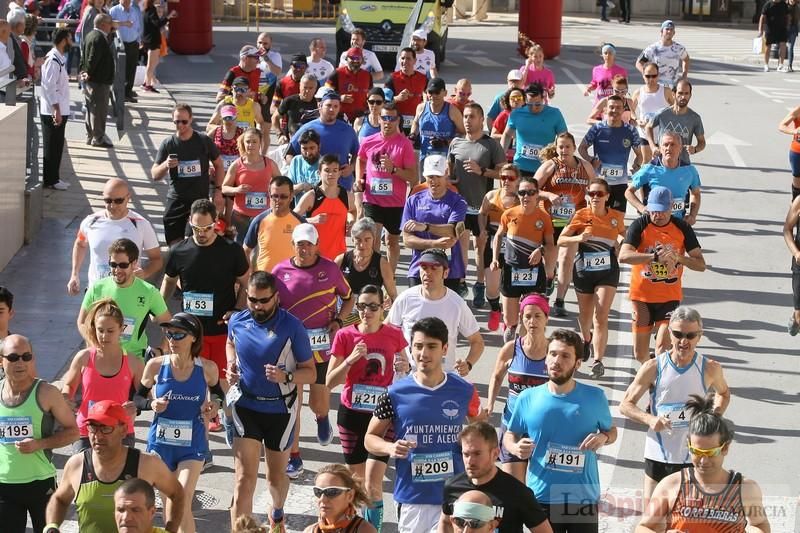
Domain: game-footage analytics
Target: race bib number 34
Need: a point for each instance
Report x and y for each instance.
(431, 467)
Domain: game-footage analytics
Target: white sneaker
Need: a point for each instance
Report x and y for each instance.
(766, 68)
(60, 185)
(780, 68)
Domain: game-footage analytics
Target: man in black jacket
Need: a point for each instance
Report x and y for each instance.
(97, 73)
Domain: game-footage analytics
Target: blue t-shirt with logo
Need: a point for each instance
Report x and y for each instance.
(612, 145)
(678, 180)
(534, 131)
(558, 424)
(337, 138)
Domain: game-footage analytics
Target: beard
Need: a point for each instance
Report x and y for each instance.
(261, 315)
(563, 378)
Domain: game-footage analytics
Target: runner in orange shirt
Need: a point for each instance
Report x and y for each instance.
(528, 235)
(658, 245)
(598, 233)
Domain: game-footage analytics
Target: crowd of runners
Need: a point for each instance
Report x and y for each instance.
(317, 185)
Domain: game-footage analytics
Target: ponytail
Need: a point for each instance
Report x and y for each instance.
(704, 421)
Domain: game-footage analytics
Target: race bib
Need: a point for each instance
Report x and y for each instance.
(675, 412)
(564, 210)
(381, 186)
(659, 270)
(320, 339)
(127, 329)
(431, 467)
(227, 161)
(255, 200)
(678, 205)
(365, 397)
(612, 171)
(174, 432)
(565, 458)
(198, 303)
(530, 151)
(189, 169)
(524, 277)
(407, 120)
(243, 124)
(233, 395)
(103, 270)
(15, 429)
(597, 261)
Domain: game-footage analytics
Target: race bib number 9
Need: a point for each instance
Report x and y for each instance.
(320, 339)
(189, 169)
(524, 277)
(381, 186)
(431, 467)
(565, 458)
(174, 432)
(365, 397)
(198, 303)
(15, 429)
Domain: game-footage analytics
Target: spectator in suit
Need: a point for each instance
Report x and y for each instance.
(55, 108)
(97, 73)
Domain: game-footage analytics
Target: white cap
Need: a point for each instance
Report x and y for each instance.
(434, 165)
(305, 232)
(420, 34)
(322, 91)
(514, 74)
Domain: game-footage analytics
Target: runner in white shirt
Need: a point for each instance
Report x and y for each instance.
(320, 67)
(100, 229)
(426, 59)
(371, 64)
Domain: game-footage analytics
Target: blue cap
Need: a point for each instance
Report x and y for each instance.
(659, 199)
(331, 95)
(388, 94)
(667, 24)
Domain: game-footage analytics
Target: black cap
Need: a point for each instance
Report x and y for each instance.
(436, 85)
(188, 323)
(535, 89)
(299, 58)
(241, 80)
(434, 255)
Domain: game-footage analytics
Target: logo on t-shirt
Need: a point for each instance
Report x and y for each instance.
(626, 143)
(322, 276)
(539, 224)
(286, 276)
(288, 228)
(140, 299)
(450, 409)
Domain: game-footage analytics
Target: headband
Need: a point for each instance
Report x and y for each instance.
(474, 511)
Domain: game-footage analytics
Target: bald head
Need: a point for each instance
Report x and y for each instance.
(475, 496)
(115, 187)
(116, 195)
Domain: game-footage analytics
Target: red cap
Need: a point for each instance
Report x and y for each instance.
(355, 52)
(108, 413)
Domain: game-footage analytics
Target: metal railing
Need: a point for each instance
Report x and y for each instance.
(257, 11)
(15, 94)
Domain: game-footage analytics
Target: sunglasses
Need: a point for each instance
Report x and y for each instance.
(262, 301)
(516, 98)
(596, 194)
(354, 58)
(329, 492)
(620, 91)
(462, 93)
(181, 121)
(279, 196)
(375, 102)
(105, 430)
(389, 118)
(175, 335)
(472, 523)
(228, 119)
(508, 178)
(117, 201)
(122, 266)
(700, 452)
(240, 90)
(14, 357)
(202, 229)
(528, 192)
(650, 76)
(692, 335)
(299, 65)
(372, 307)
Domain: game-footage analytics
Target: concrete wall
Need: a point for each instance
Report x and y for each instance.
(13, 132)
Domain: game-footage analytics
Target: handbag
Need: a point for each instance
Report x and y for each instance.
(138, 79)
(164, 50)
(759, 45)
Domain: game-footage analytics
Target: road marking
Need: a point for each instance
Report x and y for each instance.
(730, 143)
(484, 61)
(199, 59)
(580, 85)
(574, 63)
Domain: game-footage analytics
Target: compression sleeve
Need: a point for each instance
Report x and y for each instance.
(141, 400)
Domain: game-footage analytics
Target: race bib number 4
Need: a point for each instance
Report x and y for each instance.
(365, 397)
(189, 169)
(15, 429)
(675, 413)
(255, 200)
(530, 151)
(320, 339)
(431, 467)
(597, 261)
(381, 186)
(174, 432)
(524, 277)
(565, 458)
(198, 303)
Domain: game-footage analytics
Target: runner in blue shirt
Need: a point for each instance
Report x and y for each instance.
(668, 171)
(565, 423)
(535, 126)
(264, 341)
(612, 141)
(426, 412)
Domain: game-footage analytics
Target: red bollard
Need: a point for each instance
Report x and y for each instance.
(190, 32)
(540, 21)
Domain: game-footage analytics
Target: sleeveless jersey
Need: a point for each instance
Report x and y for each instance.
(228, 148)
(700, 512)
(570, 184)
(24, 421)
(367, 129)
(435, 416)
(523, 373)
(496, 210)
(671, 391)
(94, 501)
(648, 105)
(245, 113)
(332, 232)
(795, 146)
(436, 130)
(369, 276)
(96, 387)
(181, 423)
(253, 203)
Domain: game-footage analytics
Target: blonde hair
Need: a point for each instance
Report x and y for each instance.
(248, 524)
(533, 48)
(360, 497)
(103, 307)
(240, 140)
(509, 167)
(549, 152)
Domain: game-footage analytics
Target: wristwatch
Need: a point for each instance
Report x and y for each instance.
(51, 528)
(289, 378)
